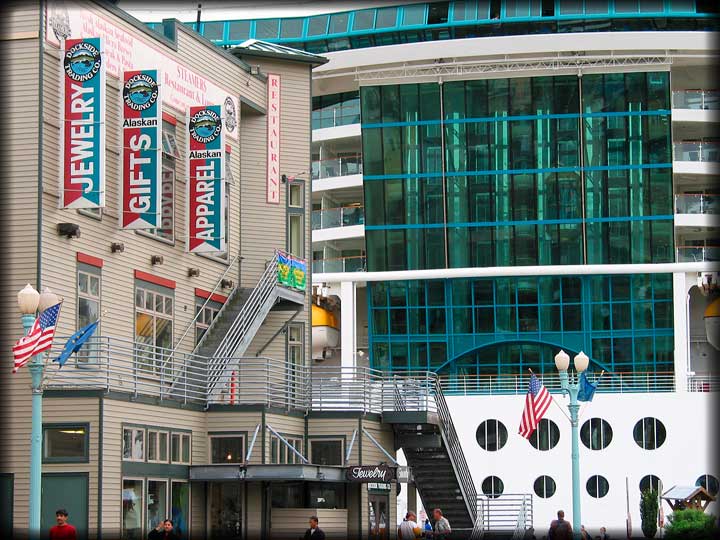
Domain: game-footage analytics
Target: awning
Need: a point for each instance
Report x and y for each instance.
(272, 473)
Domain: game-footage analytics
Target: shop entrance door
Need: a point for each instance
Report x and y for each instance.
(378, 516)
(225, 513)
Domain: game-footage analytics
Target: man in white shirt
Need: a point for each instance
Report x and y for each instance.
(409, 528)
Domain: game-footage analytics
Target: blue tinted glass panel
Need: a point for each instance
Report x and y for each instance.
(386, 18)
(464, 11)
(338, 23)
(413, 15)
(626, 6)
(522, 8)
(267, 29)
(317, 25)
(291, 28)
(238, 30)
(364, 20)
(213, 30)
(651, 6)
(682, 6)
(571, 7)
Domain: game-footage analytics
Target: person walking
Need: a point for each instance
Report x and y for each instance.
(314, 532)
(164, 531)
(603, 534)
(442, 528)
(409, 528)
(63, 530)
(559, 528)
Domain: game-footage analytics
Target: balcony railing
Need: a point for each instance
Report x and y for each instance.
(325, 119)
(344, 216)
(333, 167)
(506, 512)
(112, 364)
(696, 151)
(698, 254)
(696, 99)
(342, 264)
(697, 204)
(707, 382)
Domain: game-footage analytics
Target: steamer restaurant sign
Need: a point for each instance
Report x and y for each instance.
(370, 473)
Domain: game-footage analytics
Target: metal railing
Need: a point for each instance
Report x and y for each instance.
(696, 99)
(506, 512)
(692, 203)
(356, 263)
(620, 382)
(698, 253)
(334, 167)
(320, 121)
(344, 216)
(696, 151)
(704, 382)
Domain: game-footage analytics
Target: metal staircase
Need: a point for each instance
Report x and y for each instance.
(237, 323)
(434, 454)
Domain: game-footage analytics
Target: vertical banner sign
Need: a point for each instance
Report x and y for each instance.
(82, 182)
(141, 180)
(273, 139)
(206, 180)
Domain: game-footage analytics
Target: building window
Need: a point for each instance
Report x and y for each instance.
(157, 446)
(280, 453)
(296, 218)
(326, 451)
(326, 495)
(596, 434)
(227, 449)
(180, 448)
(133, 444)
(709, 482)
(544, 487)
(546, 436)
(180, 507)
(597, 486)
(65, 443)
(649, 433)
(167, 200)
(132, 508)
(206, 312)
(153, 330)
(295, 194)
(156, 510)
(492, 486)
(650, 482)
(88, 306)
(491, 435)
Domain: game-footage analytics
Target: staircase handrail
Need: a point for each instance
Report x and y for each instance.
(455, 452)
(199, 312)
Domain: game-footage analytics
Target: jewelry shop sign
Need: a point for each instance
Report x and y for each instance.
(370, 473)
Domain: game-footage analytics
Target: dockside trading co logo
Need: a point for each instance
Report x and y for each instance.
(140, 92)
(82, 61)
(205, 126)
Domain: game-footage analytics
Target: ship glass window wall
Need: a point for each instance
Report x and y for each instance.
(597, 486)
(335, 110)
(544, 487)
(493, 487)
(650, 482)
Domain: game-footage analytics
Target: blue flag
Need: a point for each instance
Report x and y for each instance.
(587, 389)
(76, 341)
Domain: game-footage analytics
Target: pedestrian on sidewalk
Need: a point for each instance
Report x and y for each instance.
(559, 528)
(442, 528)
(314, 532)
(164, 531)
(409, 528)
(63, 530)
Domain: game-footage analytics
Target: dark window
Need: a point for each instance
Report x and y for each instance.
(709, 482)
(492, 486)
(649, 433)
(650, 482)
(438, 13)
(491, 435)
(544, 487)
(65, 443)
(227, 449)
(326, 495)
(326, 452)
(597, 486)
(596, 434)
(546, 436)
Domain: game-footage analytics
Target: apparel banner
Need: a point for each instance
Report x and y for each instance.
(82, 182)
(141, 181)
(292, 272)
(206, 180)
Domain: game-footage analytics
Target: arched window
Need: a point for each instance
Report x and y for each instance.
(596, 434)
(709, 482)
(492, 486)
(546, 436)
(491, 435)
(649, 433)
(597, 486)
(650, 482)
(544, 487)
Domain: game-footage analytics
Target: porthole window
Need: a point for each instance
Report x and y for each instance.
(649, 433)
(597, 486)
(596, 434)
(649, 482)
(544, 487)
(492, 486)
(709, 482)
(491, 435)
(546, 436)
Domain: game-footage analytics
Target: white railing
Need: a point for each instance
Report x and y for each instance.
(697, 253)
(505, 512)
(696, 99)
(335, 167)
(623, 382)
(696, 151)
(696, 203)
(706, 382)
(345, 216)
(355, 263)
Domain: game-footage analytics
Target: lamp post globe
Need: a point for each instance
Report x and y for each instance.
(28, 299)
(47, 299)
(562, 361)
(581, 362)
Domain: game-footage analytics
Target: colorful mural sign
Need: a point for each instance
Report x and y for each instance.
(82, 182)
(140, 189)
(292, 272)
(206, 180)
(273, 138)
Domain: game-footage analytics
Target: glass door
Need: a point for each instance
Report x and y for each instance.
(378, 516)
(225, 510)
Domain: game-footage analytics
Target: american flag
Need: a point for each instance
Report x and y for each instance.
(537, 402)
(38, 339)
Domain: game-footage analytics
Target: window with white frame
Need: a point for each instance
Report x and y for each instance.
(206, 312)
(280, 453)
(157, 446)
(227, 449)
(88, 307)
(133, 448)
(171, 154)
(153, 329)
(156, 509)
(133, 495)
(180, 448)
